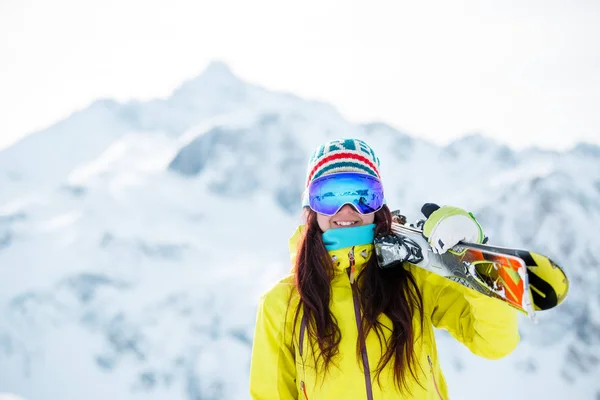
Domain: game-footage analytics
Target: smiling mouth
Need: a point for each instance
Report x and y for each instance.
(345, 223)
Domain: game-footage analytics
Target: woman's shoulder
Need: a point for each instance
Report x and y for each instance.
(281, 292)
(428, 283)
(424, 277)
(420, 275)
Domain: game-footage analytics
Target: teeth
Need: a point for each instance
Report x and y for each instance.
(345, 223)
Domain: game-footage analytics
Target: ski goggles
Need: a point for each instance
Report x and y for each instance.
(328, 194)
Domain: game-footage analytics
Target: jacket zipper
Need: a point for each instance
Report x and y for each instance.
(433, 376)
(365, 359)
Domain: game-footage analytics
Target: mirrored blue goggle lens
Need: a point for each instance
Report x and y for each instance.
(326, 195)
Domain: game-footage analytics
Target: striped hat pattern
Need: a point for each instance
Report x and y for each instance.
(342, 155)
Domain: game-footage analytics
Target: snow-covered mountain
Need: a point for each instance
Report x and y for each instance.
(135, 240)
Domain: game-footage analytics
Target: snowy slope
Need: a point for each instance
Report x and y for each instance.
(136, 238)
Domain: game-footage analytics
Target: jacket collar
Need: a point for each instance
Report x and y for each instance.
(342, 258)
(350, 261)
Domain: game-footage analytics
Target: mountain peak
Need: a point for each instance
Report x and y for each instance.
(216, 74)
(218, 70)
(216, 79)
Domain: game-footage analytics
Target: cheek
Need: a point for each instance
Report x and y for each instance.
(323, 222)
(368, 219)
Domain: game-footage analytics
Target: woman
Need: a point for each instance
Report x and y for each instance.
(340, 327)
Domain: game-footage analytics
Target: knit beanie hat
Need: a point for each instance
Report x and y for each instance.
(341, 155)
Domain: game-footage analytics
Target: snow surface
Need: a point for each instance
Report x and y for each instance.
(135, 240)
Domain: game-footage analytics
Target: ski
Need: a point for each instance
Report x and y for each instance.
(525, 280)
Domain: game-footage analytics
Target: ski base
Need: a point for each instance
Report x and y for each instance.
(524, 280)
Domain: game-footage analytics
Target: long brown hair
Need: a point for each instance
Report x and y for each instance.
(391, 291)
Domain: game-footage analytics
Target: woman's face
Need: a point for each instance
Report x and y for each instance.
(346, 217)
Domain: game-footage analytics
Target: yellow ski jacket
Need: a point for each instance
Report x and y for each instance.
(283, 368)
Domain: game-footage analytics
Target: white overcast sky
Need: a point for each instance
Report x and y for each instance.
(525, 72)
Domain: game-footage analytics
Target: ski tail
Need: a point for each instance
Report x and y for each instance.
(548, 282)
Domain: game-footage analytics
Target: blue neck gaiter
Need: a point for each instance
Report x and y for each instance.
(340, 238)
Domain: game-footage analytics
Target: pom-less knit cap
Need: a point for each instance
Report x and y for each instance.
(341, 155)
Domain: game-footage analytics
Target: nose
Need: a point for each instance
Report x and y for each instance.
(347, 208)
